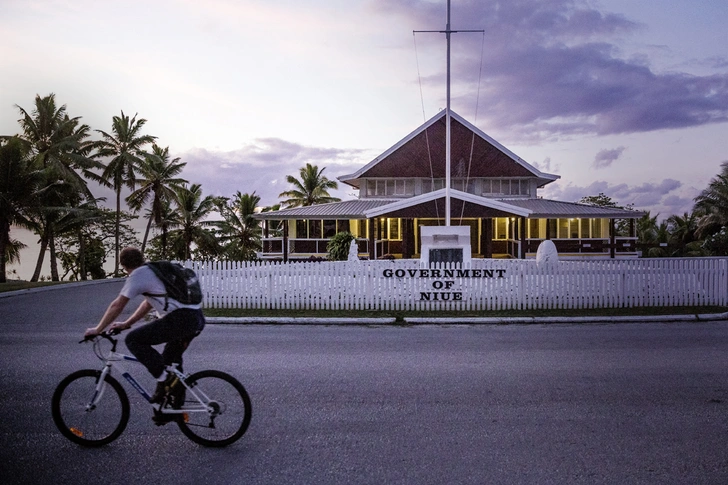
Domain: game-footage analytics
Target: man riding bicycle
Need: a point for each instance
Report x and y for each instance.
(176, 326)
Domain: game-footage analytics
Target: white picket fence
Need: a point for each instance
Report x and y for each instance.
(489, 284)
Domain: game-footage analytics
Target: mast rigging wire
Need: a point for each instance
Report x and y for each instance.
(424, 119)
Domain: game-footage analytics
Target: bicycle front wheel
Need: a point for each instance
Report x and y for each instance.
(88, 414)
(217, 409)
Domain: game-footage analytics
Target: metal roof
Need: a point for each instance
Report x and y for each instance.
(366, 208)
(347, 209)
(546, 208)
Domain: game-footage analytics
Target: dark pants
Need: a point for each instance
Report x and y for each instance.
(176, 329)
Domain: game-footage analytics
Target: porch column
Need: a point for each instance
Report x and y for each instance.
(408, 238)
(486, 237)
(285, 241)
(612, 239)
(372, 240)
(522, 223)
(548, 229)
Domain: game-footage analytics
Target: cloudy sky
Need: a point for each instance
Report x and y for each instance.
(624, 97)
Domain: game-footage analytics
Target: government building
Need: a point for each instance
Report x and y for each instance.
(493, 191)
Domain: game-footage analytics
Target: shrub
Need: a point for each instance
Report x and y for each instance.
(338, 247)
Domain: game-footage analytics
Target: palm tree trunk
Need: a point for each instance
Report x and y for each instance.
(164, 242)
(54, 258)
(82, 255)
(4, 238)
(41, 256)
(116, 233)
(146, 233)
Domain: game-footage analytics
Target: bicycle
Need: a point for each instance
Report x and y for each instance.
(91, 408)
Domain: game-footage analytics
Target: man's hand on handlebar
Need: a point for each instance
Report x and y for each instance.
(113, 329)
(118, 327)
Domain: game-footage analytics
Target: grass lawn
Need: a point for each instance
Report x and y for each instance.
(12, 285)
(643, 311)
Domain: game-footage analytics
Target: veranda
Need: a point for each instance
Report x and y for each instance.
(487, 284)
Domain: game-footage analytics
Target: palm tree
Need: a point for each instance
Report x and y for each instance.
(192, 211)
(60, 145)
(20, 189)
(125, 145)
(158, 181)
(75, 223)
(311, 189)
(712, 205)
(239, 229)
(168, 220)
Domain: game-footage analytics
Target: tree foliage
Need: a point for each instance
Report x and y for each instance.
(125, 146)
(338, 246)
(312, 188)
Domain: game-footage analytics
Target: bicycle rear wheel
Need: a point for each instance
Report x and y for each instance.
(88, 417)
(223, 415)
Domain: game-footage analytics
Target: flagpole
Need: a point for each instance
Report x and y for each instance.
(447, 124)
(447, 33)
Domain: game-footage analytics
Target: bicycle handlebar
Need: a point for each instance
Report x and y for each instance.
(106, 335)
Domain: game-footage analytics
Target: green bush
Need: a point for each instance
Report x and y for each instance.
(338, 247)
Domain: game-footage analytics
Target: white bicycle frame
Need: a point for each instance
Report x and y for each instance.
(113, 360)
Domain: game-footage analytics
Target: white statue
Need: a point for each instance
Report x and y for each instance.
(353, 251)
(547, 255)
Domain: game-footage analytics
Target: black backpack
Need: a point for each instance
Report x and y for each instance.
(180, 283)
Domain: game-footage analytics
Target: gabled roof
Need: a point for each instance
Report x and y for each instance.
(432, 204)
(457, 198)
(422, 154)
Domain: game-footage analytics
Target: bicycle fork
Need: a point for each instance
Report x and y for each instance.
(100, 388)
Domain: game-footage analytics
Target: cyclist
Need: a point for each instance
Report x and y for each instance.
(176, 326)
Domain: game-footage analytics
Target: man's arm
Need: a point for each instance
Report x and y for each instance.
(114, 310)
(138, 314)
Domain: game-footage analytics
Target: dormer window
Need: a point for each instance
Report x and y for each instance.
(390, 188)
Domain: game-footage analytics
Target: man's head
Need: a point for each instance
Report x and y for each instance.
(131, 258)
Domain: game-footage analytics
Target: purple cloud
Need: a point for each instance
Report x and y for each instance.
(554, 67)
(655, 197)
(262, 166)
(605, 157)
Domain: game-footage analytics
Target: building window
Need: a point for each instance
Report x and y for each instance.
(563, 228)
(431, 185)
(301, 228)
(551, 226)
(584, 228)
(500, 228)
(393, 228)
(534, 229)
(360, 226)
(390, 188)
(329, 228)
(371, 188)
(500, 187)
(596, 228)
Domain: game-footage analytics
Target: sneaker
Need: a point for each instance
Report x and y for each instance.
(163, 388)
(160, 419)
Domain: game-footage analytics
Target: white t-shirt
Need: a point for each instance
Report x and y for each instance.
(143, 280)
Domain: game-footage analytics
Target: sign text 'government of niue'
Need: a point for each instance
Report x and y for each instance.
(443, 284)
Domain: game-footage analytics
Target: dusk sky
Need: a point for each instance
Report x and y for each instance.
(624, 97)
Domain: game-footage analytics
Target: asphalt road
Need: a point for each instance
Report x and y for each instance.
(622, 403)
